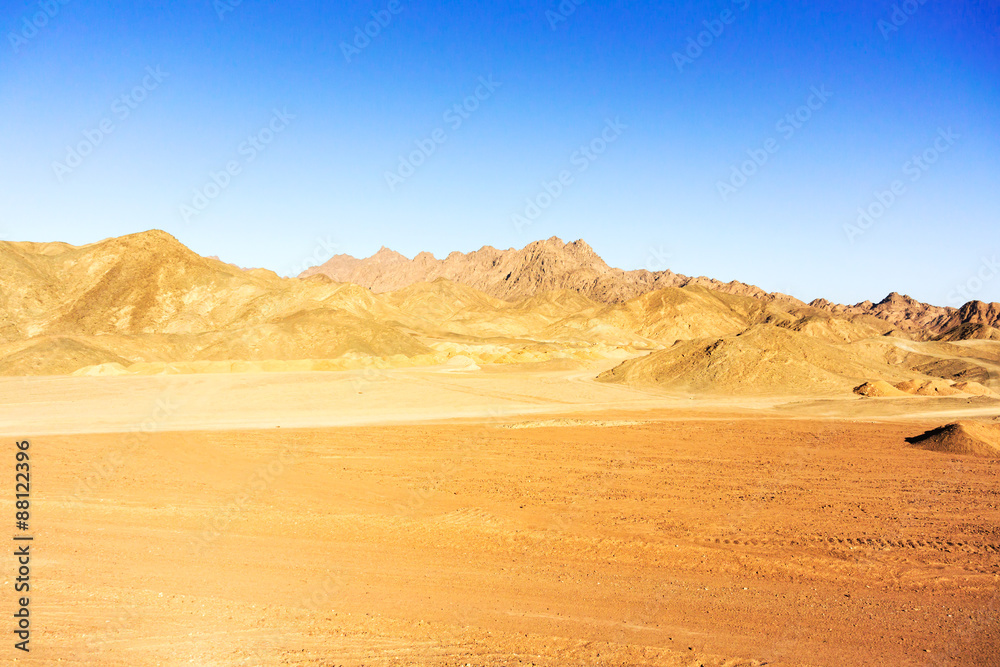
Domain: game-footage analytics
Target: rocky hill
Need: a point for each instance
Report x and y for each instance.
(542, 266)
(551, 265)
(145, 303)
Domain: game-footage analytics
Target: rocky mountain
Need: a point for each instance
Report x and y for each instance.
(900, 311)
(145, 303)
(542, 266)
(551, 265)
(923, 321)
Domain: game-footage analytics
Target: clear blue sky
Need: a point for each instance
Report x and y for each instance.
(682, 115)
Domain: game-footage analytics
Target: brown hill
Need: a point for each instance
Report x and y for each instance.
(146, 297)
(902, 312)
(973, 438)
(552, 266)
(56, 355)
(674, 313)
(970, 331)
(923, 321)
(763, 360)
(542, 266)
(146, 303)
(975, 312)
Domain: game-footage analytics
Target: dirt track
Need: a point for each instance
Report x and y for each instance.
(713, 542)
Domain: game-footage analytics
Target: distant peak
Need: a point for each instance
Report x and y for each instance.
(551, 242)
(151, 235)
(156, 241)
(387, 254)
(979, 311)
(895, 298)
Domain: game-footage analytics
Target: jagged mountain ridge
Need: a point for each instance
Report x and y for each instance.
(147, 299)
(549, 265)
(512, 274)
(145, 303)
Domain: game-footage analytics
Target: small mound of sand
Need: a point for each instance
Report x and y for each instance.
(878, 389)
(928, 388)
(974, 438)
(975, 389)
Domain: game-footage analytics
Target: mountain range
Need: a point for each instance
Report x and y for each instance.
(551, 264)
(145, 303)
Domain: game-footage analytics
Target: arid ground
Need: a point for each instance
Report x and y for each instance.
(531, 519)
(521, 457)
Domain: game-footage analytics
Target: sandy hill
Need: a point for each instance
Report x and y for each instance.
(765, 359)
(146, 297)
(689, 312)
(140, 283)
(683, 313)
(832, 329)
(442, 300)
(146, 303)
(974, 438)
(54, 355)
(145, 300)
(451, 311)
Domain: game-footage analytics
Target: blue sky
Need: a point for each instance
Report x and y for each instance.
(734, 139)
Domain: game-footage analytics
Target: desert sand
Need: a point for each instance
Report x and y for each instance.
(583, 467)
(533, 518)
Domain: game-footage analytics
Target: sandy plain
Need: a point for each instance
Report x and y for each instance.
(536, 517)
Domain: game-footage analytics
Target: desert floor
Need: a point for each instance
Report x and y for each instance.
(479, 518)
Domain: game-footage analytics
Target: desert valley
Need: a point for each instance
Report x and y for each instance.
(505, 457)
